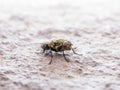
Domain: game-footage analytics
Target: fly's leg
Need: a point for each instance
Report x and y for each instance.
(44, 50)
(65, 57)
(51, 57)
(75, 52)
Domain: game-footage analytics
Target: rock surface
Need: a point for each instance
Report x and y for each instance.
(97, 38)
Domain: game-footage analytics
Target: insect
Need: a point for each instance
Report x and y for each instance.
(57, 45)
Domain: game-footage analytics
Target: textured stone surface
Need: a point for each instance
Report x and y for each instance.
(97, 38)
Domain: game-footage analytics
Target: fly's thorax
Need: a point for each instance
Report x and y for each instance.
(56, 43)
(60, 45)
(55, 46)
